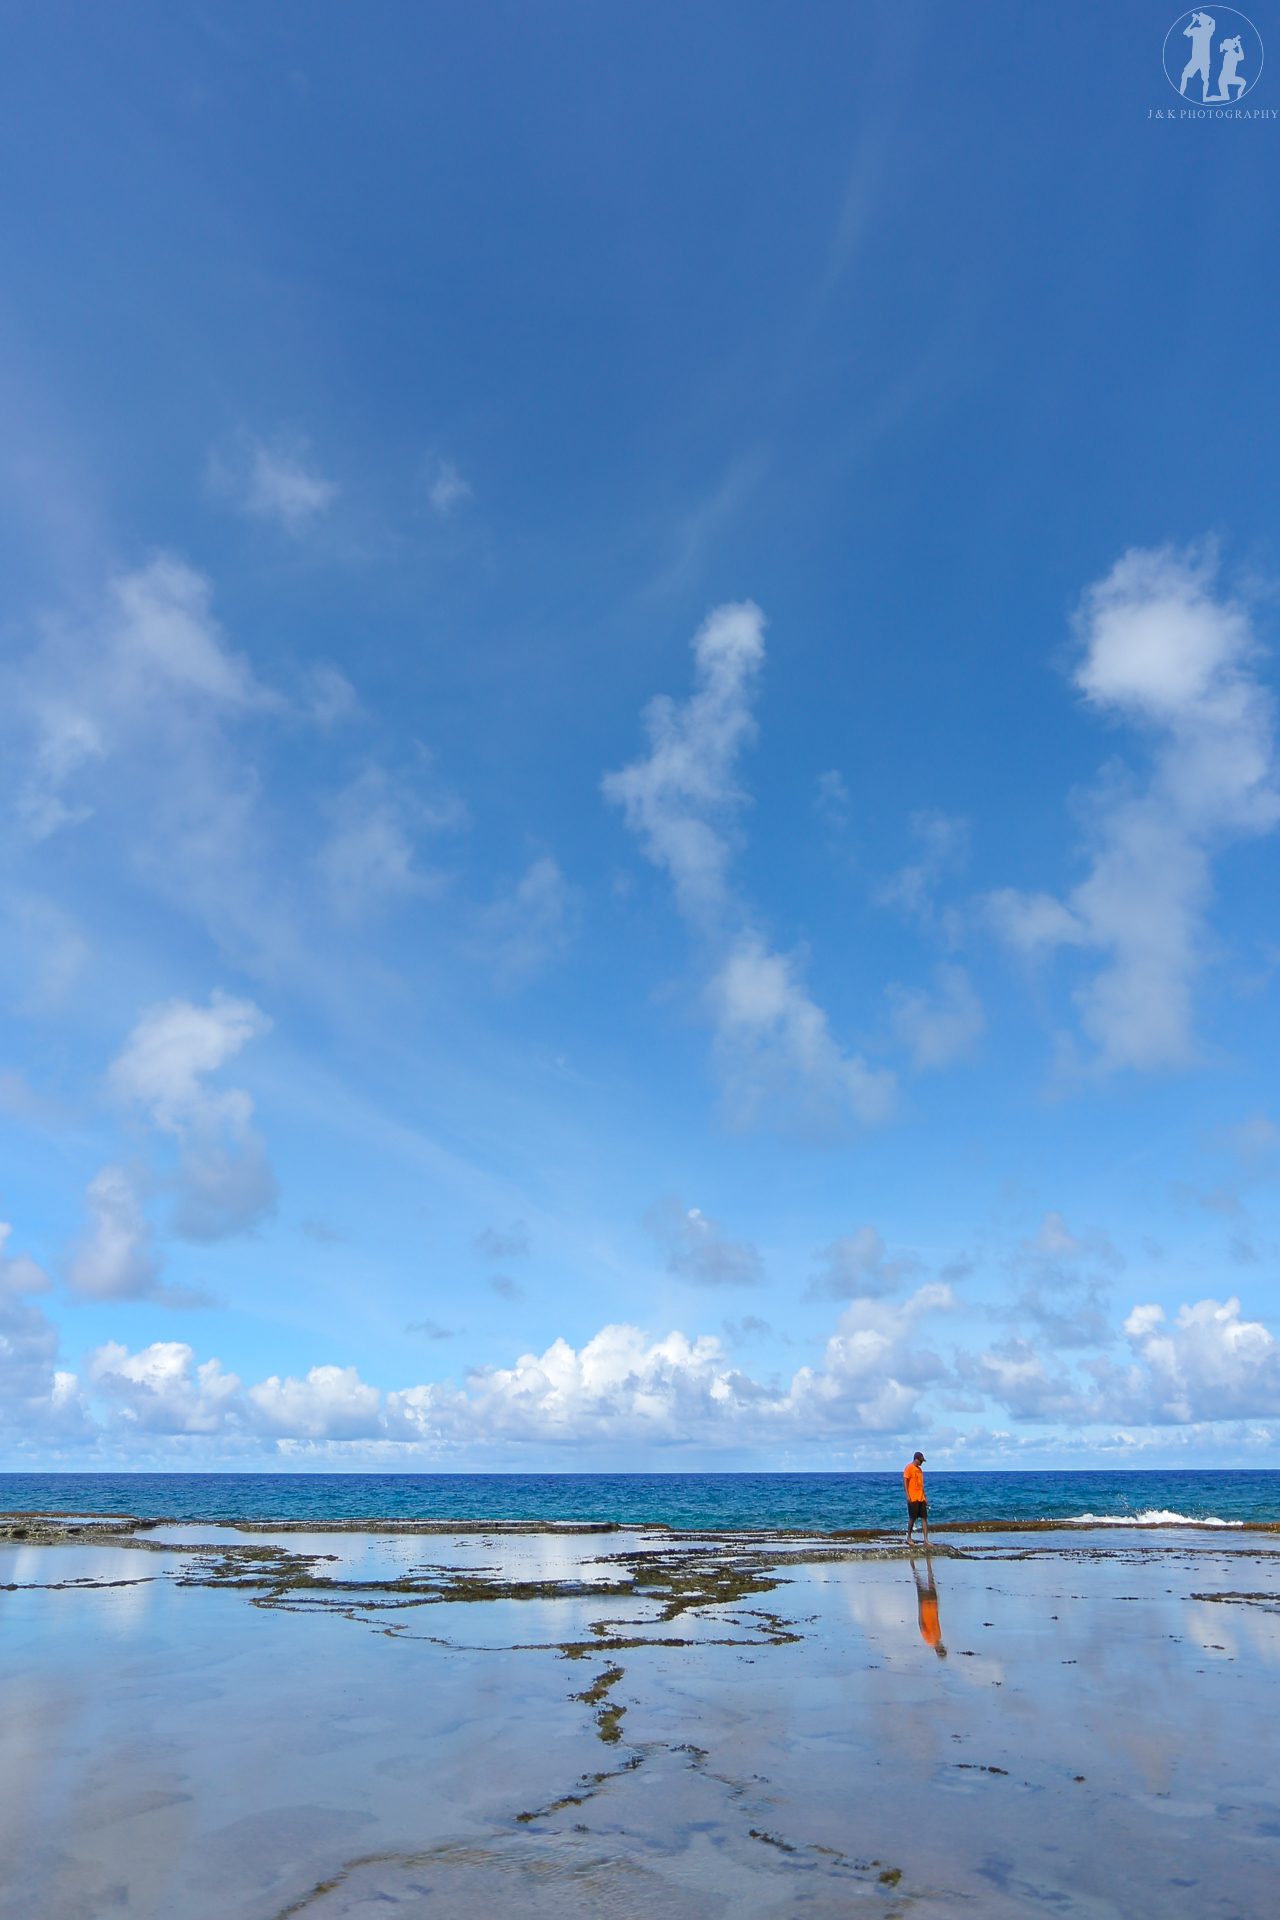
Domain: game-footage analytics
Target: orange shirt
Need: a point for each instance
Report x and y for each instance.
(913, 1480)
(930, 1631)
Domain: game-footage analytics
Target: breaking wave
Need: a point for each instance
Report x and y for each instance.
(1151, 1517)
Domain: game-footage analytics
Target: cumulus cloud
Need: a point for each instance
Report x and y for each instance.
(694, 1247)
(857, 1266)
(115, 1260)
(620, 1388)
(39, 1401)
(1014, 1373)
(1208, 1364)
(162, 1389)
(1163, 652)
(331, 1403)
(222, 1182)
(939, 1026)
(19, 1273)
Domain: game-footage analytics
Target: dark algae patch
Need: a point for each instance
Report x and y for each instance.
(609, 1715)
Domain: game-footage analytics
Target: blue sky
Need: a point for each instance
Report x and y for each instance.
(639, 764)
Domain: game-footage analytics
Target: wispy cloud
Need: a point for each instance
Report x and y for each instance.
(943, 842)
(222, 1182)
(858, 1266)
(529, 925)
(503, 1243)
(1162, 651)
(155, 664)
(446, 488)
(941, 1025)
(276, 482)
(370, 858)
(774, 1045)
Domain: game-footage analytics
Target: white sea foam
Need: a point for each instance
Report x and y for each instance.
(1149, 1517)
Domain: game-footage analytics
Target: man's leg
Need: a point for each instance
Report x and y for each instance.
(924, 1523)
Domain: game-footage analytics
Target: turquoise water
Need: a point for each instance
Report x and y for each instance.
(822, 1502)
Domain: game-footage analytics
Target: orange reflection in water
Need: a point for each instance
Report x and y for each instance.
(927, 1609)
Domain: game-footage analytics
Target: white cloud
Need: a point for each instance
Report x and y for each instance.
(1208, 1365)
(681, 799)
(620, 1388)
(944, 849)
(116, 1259)
(1015, 1374)
(773, 1043)
(332, 1403)
(222, 1180)
(694, 1246)
(938, 1027)
(161, 1389)
(776, 1050)
(170, 1050)
(278, 485)
(39, 1402)
(1163, 653)
(19, 1273)
(857, 1267)
(153, 665)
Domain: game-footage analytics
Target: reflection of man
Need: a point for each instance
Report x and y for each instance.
(927, 1609)
(1200, 33)
(917, 1505)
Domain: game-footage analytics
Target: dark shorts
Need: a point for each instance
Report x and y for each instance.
(917, 1510)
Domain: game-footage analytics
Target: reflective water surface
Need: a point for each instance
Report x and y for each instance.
(217, 1722)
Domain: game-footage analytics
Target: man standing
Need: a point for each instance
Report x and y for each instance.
(917, 1505)
(1200, 34)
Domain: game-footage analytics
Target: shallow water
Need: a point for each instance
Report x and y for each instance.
(767, 1729)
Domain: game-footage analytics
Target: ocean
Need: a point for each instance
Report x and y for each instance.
(810, 1502)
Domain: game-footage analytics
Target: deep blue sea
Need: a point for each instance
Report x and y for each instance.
(822, 1502)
